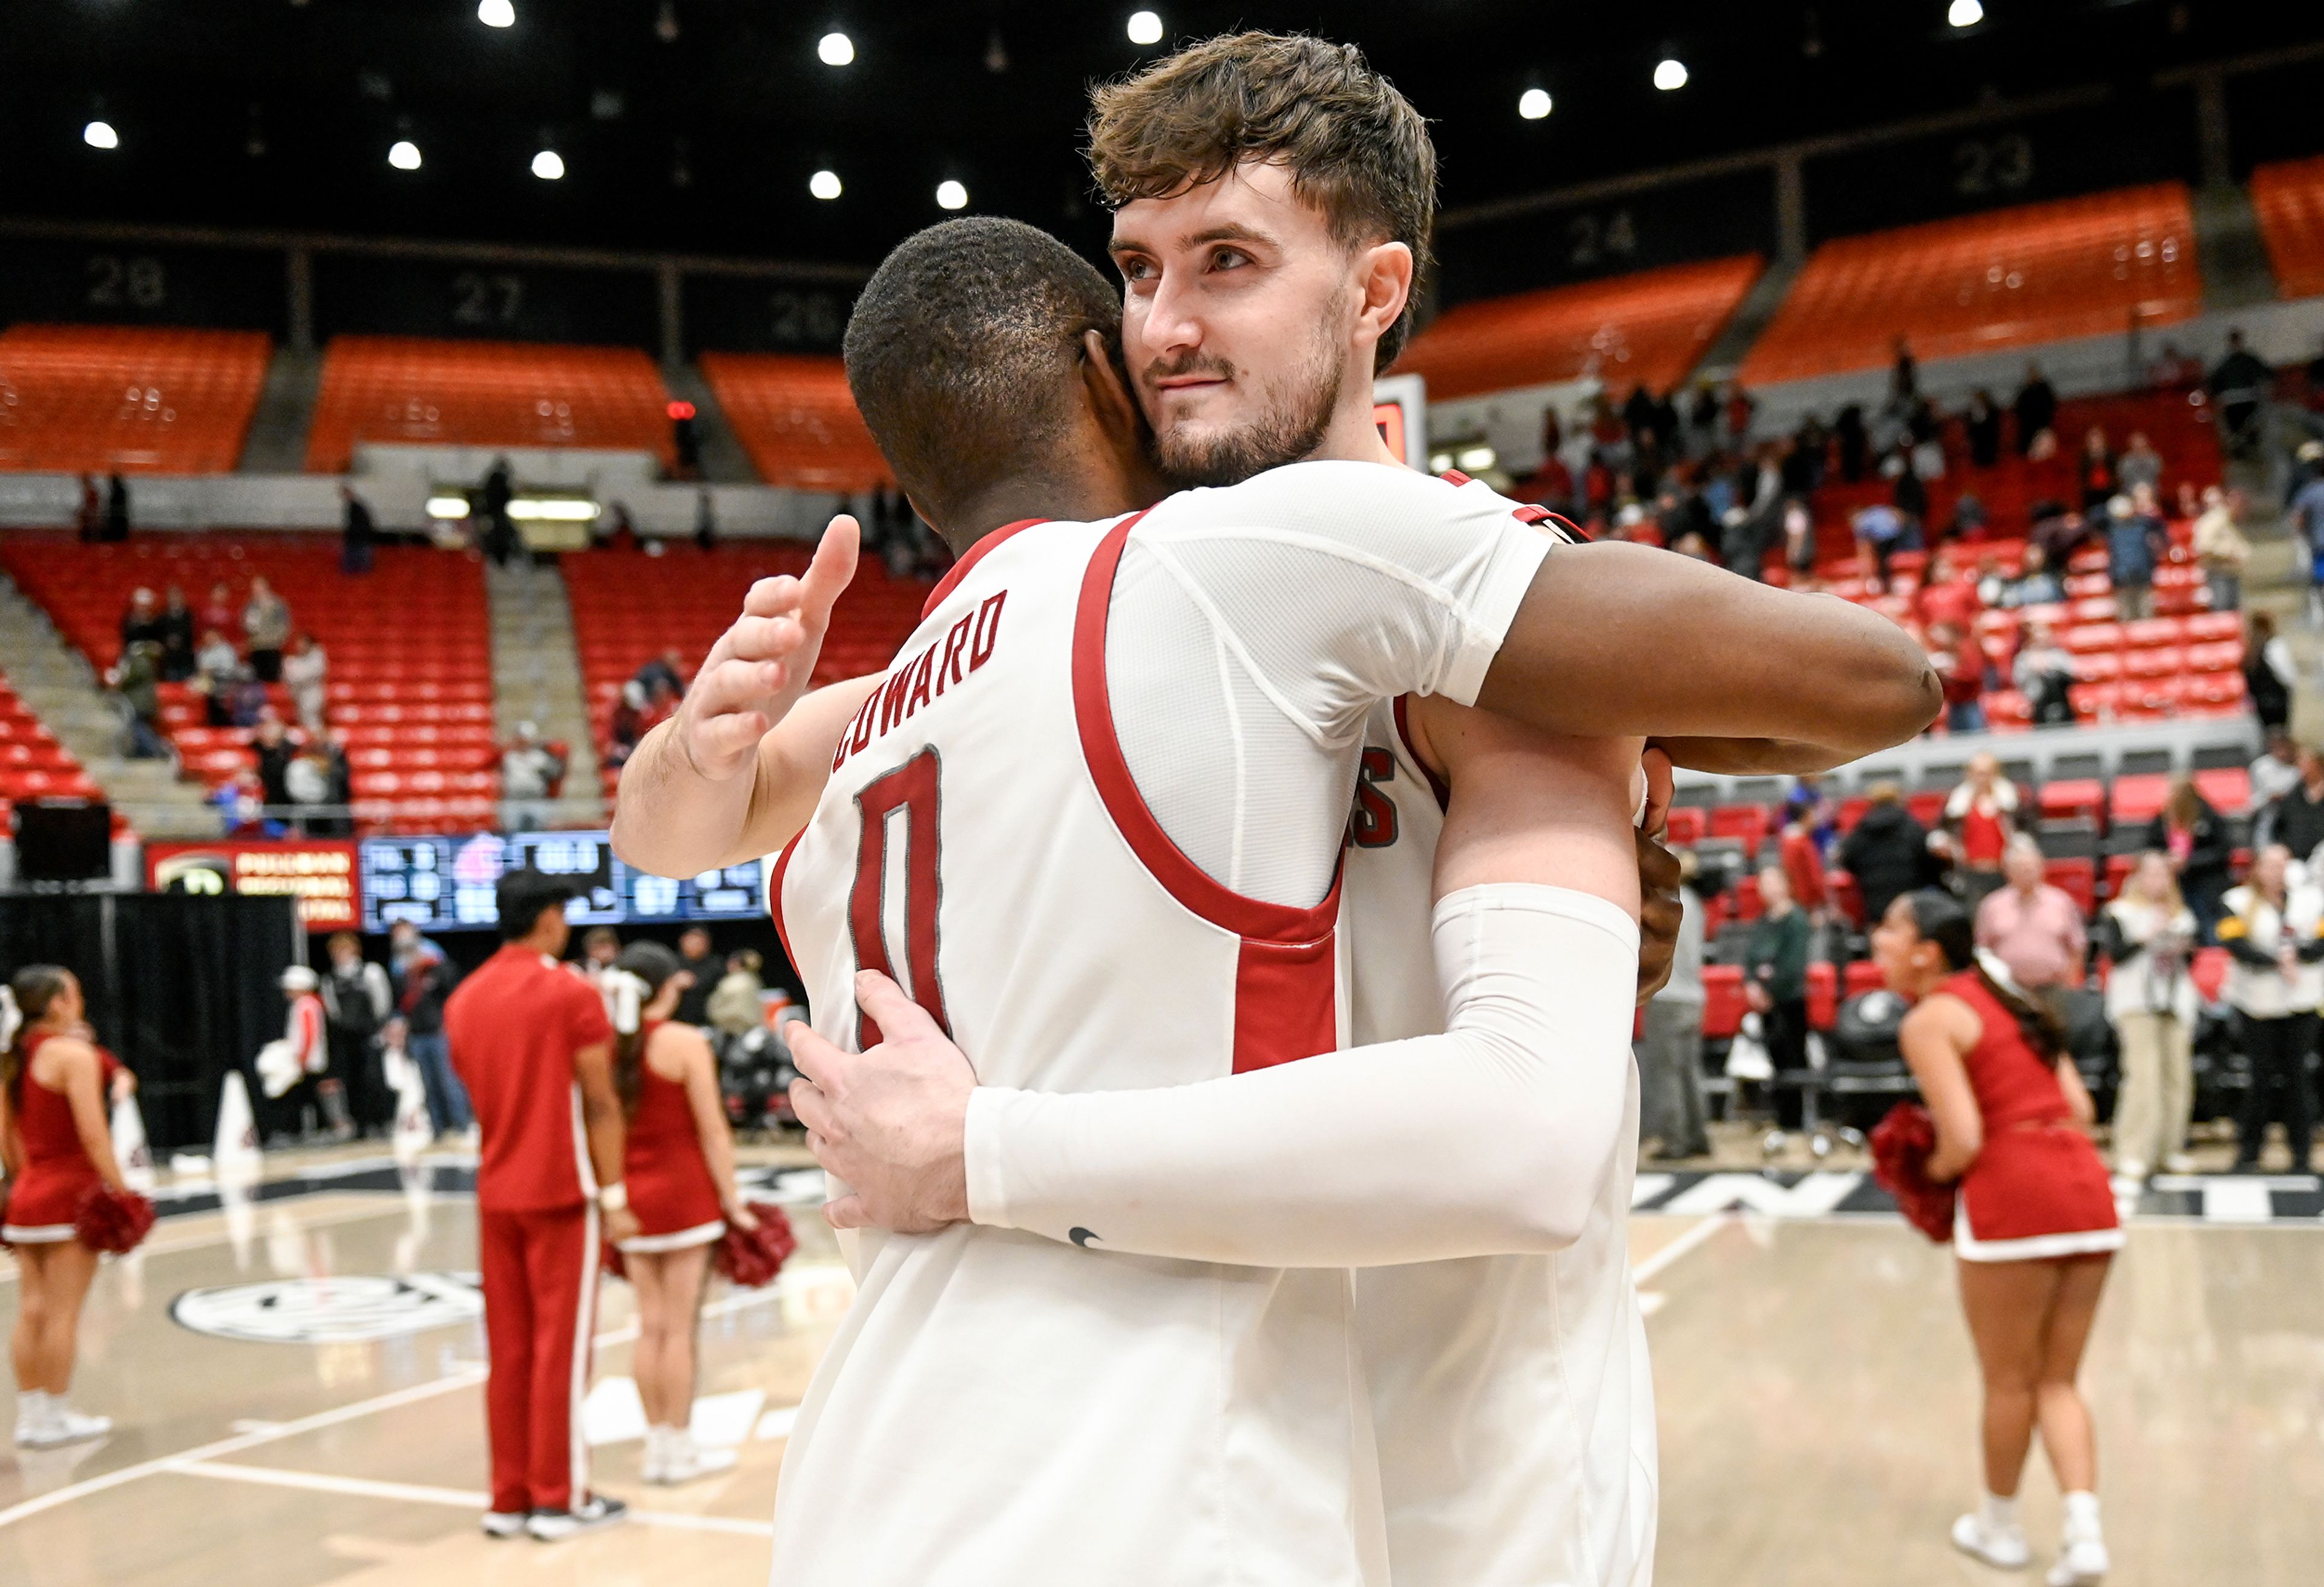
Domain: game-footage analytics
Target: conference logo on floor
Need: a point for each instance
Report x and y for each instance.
(349, 1309)
(2211, 1198)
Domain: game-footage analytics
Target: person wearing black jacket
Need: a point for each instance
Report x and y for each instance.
(2036, 408)
(1982, 420)
(1888, 852)
(2296, 819)
(2191, 832)
(1776, 984)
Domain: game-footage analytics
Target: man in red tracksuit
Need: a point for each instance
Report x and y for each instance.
(531, 1041)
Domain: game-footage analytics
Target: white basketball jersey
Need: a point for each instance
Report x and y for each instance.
(1511, 1394)
(999, 1409)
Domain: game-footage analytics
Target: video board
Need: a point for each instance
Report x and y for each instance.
(446, 884)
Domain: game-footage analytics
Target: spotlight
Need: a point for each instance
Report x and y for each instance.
(824, 184)
(1965, 14)
(836, 49)
(99, 135)
(404, 156)
(549, 165)
(1670, 73)
(1534, 104)
(951, 195)
(496, 13)
(1145, 28)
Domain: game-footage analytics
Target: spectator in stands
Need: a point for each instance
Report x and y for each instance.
(626, 725)
(2296, 818)
(1881, 531)
(664, 668)
(2192, 832)
(1981, 819)
(2304, 518)
(2274, 774)
(1801, 855)
(116, 508)
(358, 534)
(697, 959)
(177, 637)
(600, 947)
(1982, 421)
(2149, 934)
(705, 519)
(248, 704)
(275, 750)
(2035, 584)
(1909, 491)
(499, 489)
(2221, 548)
(2043, 672)
(1968, 522)
(1961, 669)
(216, 666)
(1855, 444)
(142, 623)
(306, 670)
(241, 804)
(2306, 464)
(2060, 532)
(1775, 983)
(2034, 927)
(423, 977)
(2269, 675)
(1739, 410)
(527, 772)
(2239, 386)
(266, 624)
(2175, 370)
(736, 1005)
(2136, 544)
(1810, 453)
(1799, 541)
(2097, 477)
(1903, 376)
(341, 822)
(92, 512)
(219, 614)
(356, 1002)
(2276, 982)
(136, 679)
(1702, 422)
(1948, 596)
(1670, 1054)
(1888, 852)
(2035, 408)
(2140, 465)
(307, 781)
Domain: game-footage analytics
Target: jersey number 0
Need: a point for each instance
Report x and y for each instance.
(912, 788)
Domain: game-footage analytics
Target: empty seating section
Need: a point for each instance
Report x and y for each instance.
(2289, 199)
(2010, 278)
(797, 418)
(410, 677)
(96, 399)
(408, 389)
(629, 607)
(1653, 328)
(32, 764)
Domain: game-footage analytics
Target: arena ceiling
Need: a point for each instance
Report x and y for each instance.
(698, 125)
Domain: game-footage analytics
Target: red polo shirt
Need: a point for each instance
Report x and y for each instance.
(514, 1026)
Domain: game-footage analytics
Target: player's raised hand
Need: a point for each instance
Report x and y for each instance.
(762, 663)
(891, 1122)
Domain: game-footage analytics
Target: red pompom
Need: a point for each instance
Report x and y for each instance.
(1901, 1145)
(113, 1221)
(752, 1258)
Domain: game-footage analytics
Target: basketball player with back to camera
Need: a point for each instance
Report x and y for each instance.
(532, 1044)
(56, 1142)
(987, 280)
(678, 1165)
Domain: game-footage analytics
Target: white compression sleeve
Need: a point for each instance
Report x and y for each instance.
(1493, 1137)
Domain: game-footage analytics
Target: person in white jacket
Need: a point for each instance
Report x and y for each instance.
(2274, 928)
(2149, 934)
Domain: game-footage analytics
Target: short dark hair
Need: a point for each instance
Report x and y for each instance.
(1356, 149)
(523, 896)
(962, 350)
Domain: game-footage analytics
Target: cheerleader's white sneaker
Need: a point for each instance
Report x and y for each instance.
(2002, 1547)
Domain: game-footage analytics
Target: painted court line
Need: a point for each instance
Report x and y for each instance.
(1702, 1233)
(452, 1498)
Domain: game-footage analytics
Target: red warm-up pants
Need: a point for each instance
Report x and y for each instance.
(540, 1311)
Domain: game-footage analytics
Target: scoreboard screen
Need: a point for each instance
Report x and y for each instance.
(446, 884)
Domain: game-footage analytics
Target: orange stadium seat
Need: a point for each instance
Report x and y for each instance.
(1649, 327)
(485, 394)
(797, 418)
(2009, 278)
(79, 398)
(2289, 199)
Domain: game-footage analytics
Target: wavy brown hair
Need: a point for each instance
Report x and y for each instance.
(34, 987)
(1356, 149)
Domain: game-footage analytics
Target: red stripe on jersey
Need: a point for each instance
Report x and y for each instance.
(1436, 783)
(1286, 997)
(975, 554)
(775, 898)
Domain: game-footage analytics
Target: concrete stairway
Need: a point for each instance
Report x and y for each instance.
(723, 460)
(58, 682)
(277, 441)
(537, 679)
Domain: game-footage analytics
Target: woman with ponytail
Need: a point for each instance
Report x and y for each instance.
(2034, 1228)
(56, 1144)
(679, 1167)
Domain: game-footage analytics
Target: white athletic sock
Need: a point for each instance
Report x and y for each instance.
(2081, 1514)
(1998, 1514)
(32, 1405)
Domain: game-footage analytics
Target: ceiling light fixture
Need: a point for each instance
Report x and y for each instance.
(951, 195)
(1145, 28)
(825, 184)
(549, 165)
(836, 49)
(1670, 73)
(496, 13)
(99, 135)
(1965, 14)
(404, 154)
(1534, 104)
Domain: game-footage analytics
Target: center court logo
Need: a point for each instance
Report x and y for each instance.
(347, 1310)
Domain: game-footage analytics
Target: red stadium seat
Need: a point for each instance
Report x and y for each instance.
(77, 397)
(1745, 824)
(2210, 972)
(1723, 1007)
(2227, 787)
(2139, 798)
(2067, 798)
(1687, 826)
(1862, 976)
(1823, 997)
(2077, 878)
(797, 419)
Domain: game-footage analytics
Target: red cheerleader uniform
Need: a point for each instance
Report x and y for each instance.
(670, 1188)
(2037, 1188)
(44, 1201)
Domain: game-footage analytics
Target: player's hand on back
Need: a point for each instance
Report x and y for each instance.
(622, 1225)
(1659, 905)
(762, 663)
(891, 1120)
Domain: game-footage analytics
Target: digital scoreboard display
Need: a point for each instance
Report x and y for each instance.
(446, 884)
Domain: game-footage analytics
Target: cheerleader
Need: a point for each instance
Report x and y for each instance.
(679, 1167)
(2034, 1225)
(56, 1144)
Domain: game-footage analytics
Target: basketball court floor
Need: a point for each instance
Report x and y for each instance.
(297, 1382)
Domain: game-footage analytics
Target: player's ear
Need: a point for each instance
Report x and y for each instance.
(1107, 390)
(1384, 275)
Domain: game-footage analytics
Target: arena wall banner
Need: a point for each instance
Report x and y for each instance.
(319, 873)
